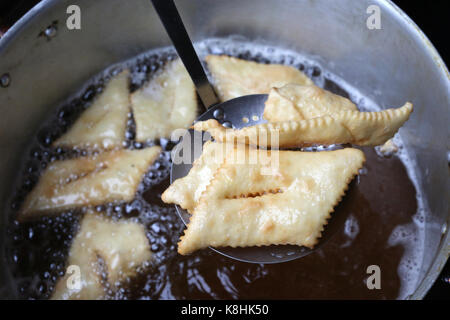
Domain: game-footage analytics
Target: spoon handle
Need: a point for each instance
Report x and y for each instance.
(170, 18)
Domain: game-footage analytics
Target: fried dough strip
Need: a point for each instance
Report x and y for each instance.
(359, 128)
(88, 181)
(244, 207)
(106, 252)
(303, 102)
(235, 77)
(103, 124)
(186, 191)
(166, 103)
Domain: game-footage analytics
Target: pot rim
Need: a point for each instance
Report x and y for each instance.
(443, 251)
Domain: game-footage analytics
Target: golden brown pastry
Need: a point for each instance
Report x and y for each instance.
(244, 206)
(106, 252)
(303, 102)
(186, 191)
(359, 128)
(234, 77)
(88, 181)
(167, 102)
(103, 124)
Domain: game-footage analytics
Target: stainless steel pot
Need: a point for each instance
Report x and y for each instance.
(389, 65)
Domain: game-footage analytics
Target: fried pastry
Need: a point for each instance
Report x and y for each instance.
(103, 124)
(186, 191)
(106, 253)
(242, 207)
(303, 102)
(88, 181)
(234, 77)
(166, 103)
(348, 126)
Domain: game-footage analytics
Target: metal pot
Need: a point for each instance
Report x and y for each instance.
(42, 61)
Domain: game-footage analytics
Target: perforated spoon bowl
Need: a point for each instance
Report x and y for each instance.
(231, 114)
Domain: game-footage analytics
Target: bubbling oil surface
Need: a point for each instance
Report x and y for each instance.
(384, 208)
